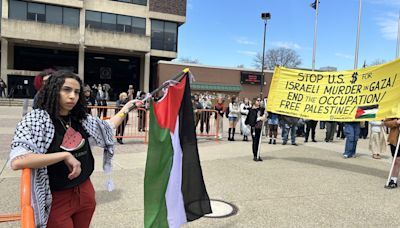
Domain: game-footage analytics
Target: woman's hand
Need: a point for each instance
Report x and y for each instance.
(132, 103)
(73, 165)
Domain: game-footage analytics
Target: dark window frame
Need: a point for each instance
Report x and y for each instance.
(164, 48)
(45, 13)
(132, 27)
(135, 2)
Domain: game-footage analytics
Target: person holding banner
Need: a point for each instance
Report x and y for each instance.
(311, 126)
(289, 124)
(273, 122)
(330, 130)
(352, 133)
(377, 144)
(393, 138)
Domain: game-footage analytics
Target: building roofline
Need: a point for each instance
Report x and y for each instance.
(213, 67)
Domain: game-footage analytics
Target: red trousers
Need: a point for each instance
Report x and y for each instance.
(73, 207)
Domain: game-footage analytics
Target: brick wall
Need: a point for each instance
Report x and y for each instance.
(176, 7)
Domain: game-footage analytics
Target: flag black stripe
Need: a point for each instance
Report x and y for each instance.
(195, 197)
(368, 107)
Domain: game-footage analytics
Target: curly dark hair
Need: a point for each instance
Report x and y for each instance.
(49, 96)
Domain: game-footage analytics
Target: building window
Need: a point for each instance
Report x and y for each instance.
(138, 25)
(93, 19)
(109, 21)
(170, 36)
(137, 2)
(124, 23)
(17, 10)
(71, 17)
(114, 22)
(36, 12)
(164, 35)
(22, 10)
(53, 15)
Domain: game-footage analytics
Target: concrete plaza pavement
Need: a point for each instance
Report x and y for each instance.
(309, 185)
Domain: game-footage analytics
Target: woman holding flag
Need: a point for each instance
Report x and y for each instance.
(54, 141)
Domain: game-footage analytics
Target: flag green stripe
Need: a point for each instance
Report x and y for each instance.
(366, 116)
(157, 173)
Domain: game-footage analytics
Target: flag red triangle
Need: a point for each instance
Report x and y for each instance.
(166, 110)
(359, 112)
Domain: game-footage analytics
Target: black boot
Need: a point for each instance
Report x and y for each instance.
(233, 134)
(270, 141)
(229, 134)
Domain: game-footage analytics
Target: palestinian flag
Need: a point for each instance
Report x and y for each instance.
(174, 189)
(367, 112)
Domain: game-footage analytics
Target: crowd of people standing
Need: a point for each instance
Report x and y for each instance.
(292, 129)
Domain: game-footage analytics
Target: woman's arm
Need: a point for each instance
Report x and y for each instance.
(35, 161)
(120, 116)
(391, 123)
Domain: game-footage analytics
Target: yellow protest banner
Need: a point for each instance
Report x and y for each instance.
(371, 93)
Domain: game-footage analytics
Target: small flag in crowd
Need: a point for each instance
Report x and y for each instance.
(364, 112)
(174, 189)
(314, 4)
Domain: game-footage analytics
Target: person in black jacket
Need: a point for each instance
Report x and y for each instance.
(255, 119)
(219, 116)
(89, 98)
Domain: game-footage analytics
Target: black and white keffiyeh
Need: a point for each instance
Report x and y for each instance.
(35, 133)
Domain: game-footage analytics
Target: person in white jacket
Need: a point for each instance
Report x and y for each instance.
(233, 115)
(377, 142)
(244, 110)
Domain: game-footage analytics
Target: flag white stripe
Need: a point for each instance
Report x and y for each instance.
(370, 111)
(176, 214)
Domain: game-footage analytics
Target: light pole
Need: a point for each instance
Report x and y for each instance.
(265, 17)
(358, 36)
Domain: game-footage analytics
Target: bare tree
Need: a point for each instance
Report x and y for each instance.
(278, 57)
(377, 62)
(188, 60)
(240, 66)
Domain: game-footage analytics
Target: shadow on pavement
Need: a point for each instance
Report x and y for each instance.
(105, 196)
(341, 166)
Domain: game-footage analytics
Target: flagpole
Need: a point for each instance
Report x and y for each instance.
(398, 37)
(315, 33)
(262, 127)
(394, 160)
(164, 85)
(358, 36)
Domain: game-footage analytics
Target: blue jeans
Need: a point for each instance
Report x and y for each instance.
(285, 133)
(352, 132)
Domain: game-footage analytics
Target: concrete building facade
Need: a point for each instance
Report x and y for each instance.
(225, 81)
(118, 42)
